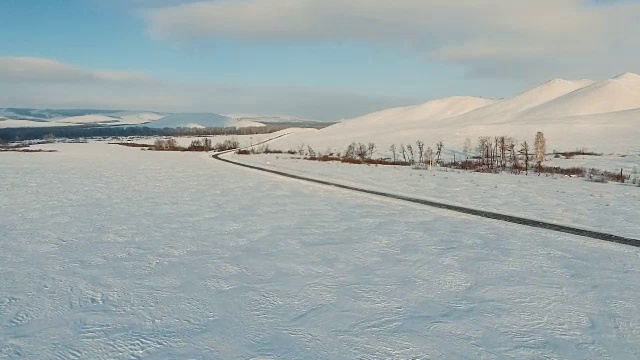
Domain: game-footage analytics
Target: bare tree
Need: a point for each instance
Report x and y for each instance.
(392, 148)
(428, 154)
(420, 145)
(362, 151)
(525, 152)
(403, 150)
(511, 154)
(171, 144)
(371, 148)
(540, 148)
(496, 153)
(206, 143)
(502, 146)
(310, 151)
(350, 153)
(439, 147)
(466, 149)
(490, 152)
(411, 154)
(301, 149)
(483, 149)
(196, 144)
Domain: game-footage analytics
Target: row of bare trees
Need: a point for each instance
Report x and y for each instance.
(502, 152)
(494, 153)
(204, 144)
(417, 155)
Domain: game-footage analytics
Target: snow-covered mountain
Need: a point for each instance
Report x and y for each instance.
(48, 114)
(617, 94)
(599, 115)
(269, 119)
(18, 117)
(429, 111)
(200, 120)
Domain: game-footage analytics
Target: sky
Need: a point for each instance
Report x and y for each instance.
(317, 59)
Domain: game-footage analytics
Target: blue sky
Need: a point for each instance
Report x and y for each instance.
(332, 62)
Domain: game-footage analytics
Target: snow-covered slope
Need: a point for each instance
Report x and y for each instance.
(266, 119)
(399, 120)
(90, 119)
(133, 117)
(509, 109)
(429, 111)
(200, 120)
(617, 94)
(601, 116)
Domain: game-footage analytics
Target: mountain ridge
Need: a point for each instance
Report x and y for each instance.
(602, 115)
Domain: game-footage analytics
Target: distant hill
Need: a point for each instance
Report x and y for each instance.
(26, 117)
(201, 120)
(599, 115)
(23, 117)
(270, 119)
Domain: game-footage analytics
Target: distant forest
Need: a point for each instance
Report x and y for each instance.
(78, 132)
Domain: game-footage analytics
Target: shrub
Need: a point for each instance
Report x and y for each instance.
(348, 160)
(571, 154)
(350, 153)
(227, 145)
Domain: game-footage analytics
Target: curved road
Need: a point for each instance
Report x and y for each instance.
(460, 209)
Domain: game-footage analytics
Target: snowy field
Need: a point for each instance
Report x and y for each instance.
(610, 207)
(243, 140)
(628, 161)
(108, 252)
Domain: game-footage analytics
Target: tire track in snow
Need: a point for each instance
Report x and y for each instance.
(459, 209)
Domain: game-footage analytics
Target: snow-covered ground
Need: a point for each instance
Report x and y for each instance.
(629, 162)
(112, 252)
(243, 140)
(609, 207)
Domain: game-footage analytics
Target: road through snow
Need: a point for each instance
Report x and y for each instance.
(460, 209)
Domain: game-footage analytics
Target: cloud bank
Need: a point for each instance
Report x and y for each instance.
(30, 69)
(494, 38)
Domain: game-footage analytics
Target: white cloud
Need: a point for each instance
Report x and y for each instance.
(30, 69)
(509, 34)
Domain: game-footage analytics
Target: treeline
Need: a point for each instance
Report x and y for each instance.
(197, 145)
(76, 132)
(356, 153)
(500, 153)
(493, 154)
